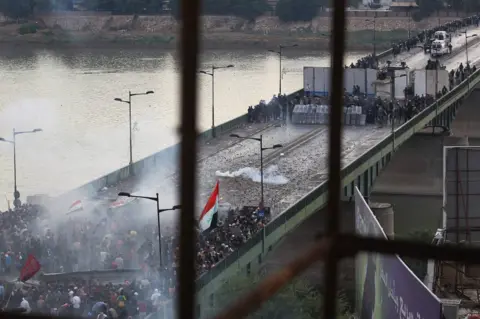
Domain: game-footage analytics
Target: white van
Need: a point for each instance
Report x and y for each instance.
(439, 48)
(443, 36)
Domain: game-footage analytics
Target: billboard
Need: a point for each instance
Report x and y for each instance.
(461, 193)
(385, 287)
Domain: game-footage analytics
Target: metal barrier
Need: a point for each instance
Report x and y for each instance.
(317, 198)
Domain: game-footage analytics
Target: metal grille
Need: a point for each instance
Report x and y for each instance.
(331, 247)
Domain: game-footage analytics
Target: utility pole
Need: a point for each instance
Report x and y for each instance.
(391, 72)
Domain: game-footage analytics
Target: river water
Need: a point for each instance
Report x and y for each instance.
(85, 132)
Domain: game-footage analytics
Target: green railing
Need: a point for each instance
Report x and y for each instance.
(316, 199)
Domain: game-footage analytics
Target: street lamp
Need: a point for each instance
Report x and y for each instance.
(156, 199)
(280, 52)
(392, 97)
(260, 139)
(466, 52)
(129, 102)
(374, 34)
(16, 193)
(212, 74)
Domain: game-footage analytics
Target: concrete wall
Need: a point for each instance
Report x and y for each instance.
(416, 168)
(467, 121)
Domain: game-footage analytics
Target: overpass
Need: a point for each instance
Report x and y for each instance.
(361, 173)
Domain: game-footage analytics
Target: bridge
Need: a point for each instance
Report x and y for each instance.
(362, 171)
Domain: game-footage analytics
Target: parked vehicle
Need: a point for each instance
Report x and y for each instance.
(439, 48)
(443, 36)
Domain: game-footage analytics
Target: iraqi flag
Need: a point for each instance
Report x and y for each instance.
(121, 201)
(76, 206)
(210, 211)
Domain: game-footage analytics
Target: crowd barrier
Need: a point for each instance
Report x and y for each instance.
(320, 114)
(100, 275)
(317, 198)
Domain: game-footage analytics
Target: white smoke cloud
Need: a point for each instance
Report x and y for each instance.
(271, 175)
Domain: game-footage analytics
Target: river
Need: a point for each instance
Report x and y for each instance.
(70, 96)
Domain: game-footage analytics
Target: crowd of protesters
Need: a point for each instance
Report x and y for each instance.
(111, 241)
(106, 240)
(90, 299)
(280, 107)
(115, 241)
(382, 111)
(418, 40)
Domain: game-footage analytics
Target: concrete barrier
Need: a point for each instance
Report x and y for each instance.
(103, 276)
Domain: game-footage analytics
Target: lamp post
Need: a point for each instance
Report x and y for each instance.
(466, 52)
(466, 42)
(280, 54)
(374, 34)
(392, 97)
(212, 74)
(260, 139)
(409, 11)
(129, 102)
(16, 193)
(156, 199)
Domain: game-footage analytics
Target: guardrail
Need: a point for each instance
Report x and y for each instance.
(317, 198)
(100, 275)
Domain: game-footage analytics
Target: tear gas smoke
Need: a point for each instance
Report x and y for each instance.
(271, 175)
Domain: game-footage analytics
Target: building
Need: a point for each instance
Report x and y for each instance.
(404, 5)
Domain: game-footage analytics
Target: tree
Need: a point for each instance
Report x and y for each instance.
(354, 3)
(17, 9)
(297, 10)
(464, 5)
(249, 9)
(427, 7)
(99, 5)
(298, 300)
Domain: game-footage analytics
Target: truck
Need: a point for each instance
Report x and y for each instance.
(439, 48)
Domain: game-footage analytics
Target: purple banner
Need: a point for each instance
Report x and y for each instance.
(386, 287)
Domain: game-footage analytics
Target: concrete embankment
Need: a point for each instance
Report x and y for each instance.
(97, 28)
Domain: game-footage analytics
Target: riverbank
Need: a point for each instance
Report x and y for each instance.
(105, 30)
(357, 40)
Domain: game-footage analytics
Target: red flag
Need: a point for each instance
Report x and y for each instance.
(31, 267)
